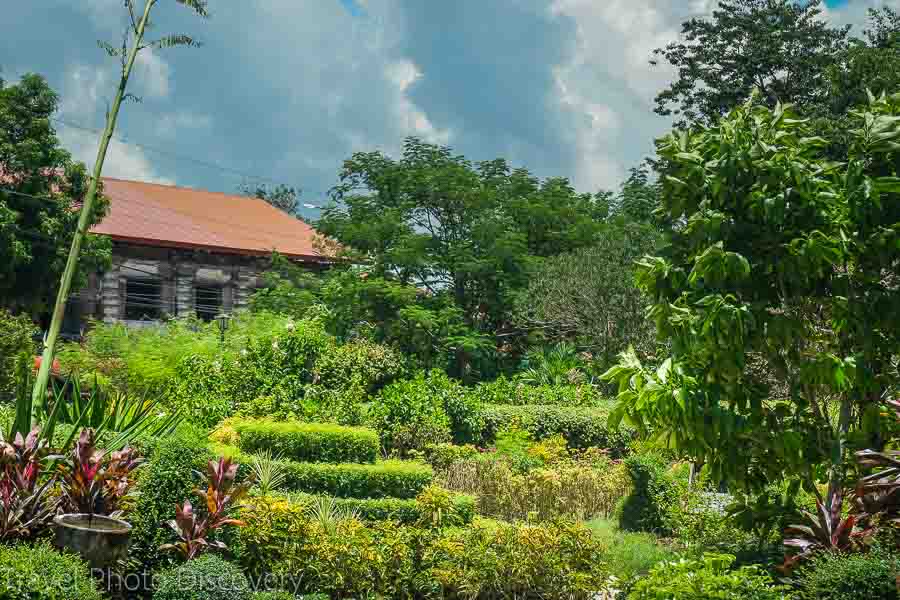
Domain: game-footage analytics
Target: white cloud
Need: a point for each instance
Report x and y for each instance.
(84, 90)
(151, 74)
(411, 119)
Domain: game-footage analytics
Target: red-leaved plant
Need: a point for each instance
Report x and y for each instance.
(195, 532)
(875, 502)
(95, 482)
(25, 507)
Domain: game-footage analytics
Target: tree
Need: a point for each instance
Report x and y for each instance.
(40, 186)
(281, 196)
(457, 229)
(781, 47)
(588, 296)
(777, 294)
(135, 34)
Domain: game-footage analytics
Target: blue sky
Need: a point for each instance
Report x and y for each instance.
(284, 90)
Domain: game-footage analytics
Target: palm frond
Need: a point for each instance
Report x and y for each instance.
(268, 471)
(198, 6)
(109, 49)
(172, 41)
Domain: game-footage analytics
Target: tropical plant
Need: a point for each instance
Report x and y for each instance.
(26, 507)
(268, 471)
(772, 296)
(328, 513)
(195, 532)
(558, 365)
(95, 481)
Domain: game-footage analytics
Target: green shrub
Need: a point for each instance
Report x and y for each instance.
(485, 560)
(628, 555)
(15, 339)
(207, 577)
(403, 510)
(441, 456)
(409, 415)
(371, 365)
(385, 479)
(582, 427)
(308, 442)
(40, 573)
(708, 577)
(166, 480)
(281, 595)
(509, 392)
(565, 490)
(653, 491)
(835, 576)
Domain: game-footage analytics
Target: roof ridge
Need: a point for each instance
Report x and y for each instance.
(186, 188)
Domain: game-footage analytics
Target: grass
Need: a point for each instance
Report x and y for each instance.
(628, 554)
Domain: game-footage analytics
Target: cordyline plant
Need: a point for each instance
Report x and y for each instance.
(195, 532)
(94, 481)
(875, 504)
(25, 508)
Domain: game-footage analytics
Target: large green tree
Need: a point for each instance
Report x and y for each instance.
(781, 47)
(777, 293)
(40, 188)
(457, 229)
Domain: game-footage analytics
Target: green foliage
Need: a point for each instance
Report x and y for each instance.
(589, 296)
(410, 415)
(708, 577)
(41, 573)
(833, 576)
(15, 339)
(308, 442)
(384, 479)
(166, 481)
(772, 297)
(653, 491)
(373, 365)
(205, 578)
(566, 489)
(582, 427)
(38, 221)
(407, 511)
(514, 392)
(467, 233)
(485, 560)
(441, 456)
(782, 47)
(628, 555)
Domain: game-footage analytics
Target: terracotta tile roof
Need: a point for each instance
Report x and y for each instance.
(162, 215)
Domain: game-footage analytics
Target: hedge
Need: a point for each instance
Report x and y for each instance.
(405, 511)
(385, 479)
(308, 442)
(582, 427)
(510, 392)
(39, 572)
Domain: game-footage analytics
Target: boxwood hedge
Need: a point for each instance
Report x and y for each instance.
(406, 511)
(384, 479)
(308, 442)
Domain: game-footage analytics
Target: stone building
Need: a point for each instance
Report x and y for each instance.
(180, 251)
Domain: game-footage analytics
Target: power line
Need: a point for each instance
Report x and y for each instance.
(184, 157)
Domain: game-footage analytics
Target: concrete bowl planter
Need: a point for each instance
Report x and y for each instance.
(101, 541)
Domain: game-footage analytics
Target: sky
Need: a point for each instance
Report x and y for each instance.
(282, 91)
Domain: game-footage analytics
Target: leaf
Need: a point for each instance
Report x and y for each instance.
(109, 49)
(172, 41)
(198, 6)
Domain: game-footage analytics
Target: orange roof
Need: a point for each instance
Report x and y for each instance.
(175, 217)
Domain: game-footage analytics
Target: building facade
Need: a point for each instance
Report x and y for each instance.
(180, 251)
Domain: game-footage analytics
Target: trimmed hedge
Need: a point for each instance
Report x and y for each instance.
(404, 511)
(41, 573)
(308, 442)
(582, 427)
(207, 577)
(510, 392)
(385, 479)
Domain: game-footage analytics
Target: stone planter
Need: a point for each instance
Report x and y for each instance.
(101, 541)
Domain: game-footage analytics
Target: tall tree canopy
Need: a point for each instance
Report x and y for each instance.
(777, 293)
(40, 186)
(468, 231)
(782, 47)
(280, 196)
